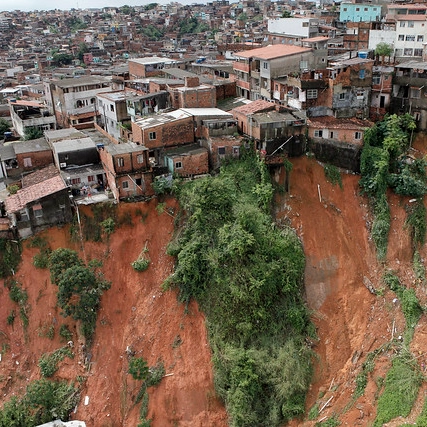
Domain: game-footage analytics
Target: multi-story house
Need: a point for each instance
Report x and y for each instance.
(128, 170)
(410, 91)
(30, 114)
(350, 84)
(359, 12)
(295, 29)
(73, 100)
(411, 29)
(113, 112)
(256, 69)
(382, 85)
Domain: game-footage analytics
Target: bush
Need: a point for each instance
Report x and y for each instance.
(333, 175)
(140, 264)
(48, 363)
(138, 368)
(65, 333)
(246, 275)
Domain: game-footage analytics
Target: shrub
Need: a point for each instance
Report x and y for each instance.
(65, 333)
(140, 264)
(138, 368)
(48, 363)
(11, 318)
(333, 175)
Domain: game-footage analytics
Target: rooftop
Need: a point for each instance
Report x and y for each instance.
(344, 123)
(127, 147)
(80, 81)
(272, 51)
(255, 107)
(34, 192)
(151, 60)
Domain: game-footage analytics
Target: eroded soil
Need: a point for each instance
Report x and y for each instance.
(137, 315)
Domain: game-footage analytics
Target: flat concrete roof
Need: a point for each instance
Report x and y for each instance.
(67, 145)
(127, 147)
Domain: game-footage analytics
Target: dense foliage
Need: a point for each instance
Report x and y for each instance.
(10, 256)
(44, 401)
(79, 288)
(247, 276)
(385, 163)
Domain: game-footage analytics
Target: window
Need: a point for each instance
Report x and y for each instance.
(120, 162)
(265, 65)
(420, 38)
(236, 151)
(410, 24)
(125, 185)
(418, 52)
(342, 96)
(311, 93)
(152, 135)
(75, 181)
(332, 135)
(401, 37)
(27, 162)
(365, 9)
(305, 24)
(357, 135)
(140, 158)
(360, 94)
(112, 107)
(415, 92)
(24, 215)
(361, 74)
(303, 65)
(318, 133)
(221, 151)
(376, 80)
(402, 23)
(90, 178)
(178, 165)
(407, 52)
(357, 9)
(37, 210)
(410, 38)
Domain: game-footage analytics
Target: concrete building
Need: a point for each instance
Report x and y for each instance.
(151, 66)
(410, 91)
(73, 100)
(30, 114)
(411, 29)
(297, 28)
(257, 68)
(113, 113)
(359, 12)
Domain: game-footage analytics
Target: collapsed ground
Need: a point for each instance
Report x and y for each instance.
(351, 322)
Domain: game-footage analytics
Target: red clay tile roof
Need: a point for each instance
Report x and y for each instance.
(34, 192)
(272, 51)
(40, 175)
(255, 107)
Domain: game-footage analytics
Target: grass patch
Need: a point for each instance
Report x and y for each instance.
(401, 388)
(48, 363)
(333, 175)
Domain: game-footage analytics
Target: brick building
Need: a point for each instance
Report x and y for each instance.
(128, 170)
(193, 94)
(187, 161)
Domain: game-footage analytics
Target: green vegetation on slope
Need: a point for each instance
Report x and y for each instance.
(384, 163)
(44, 401)
(401, 388)
(247, 276)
